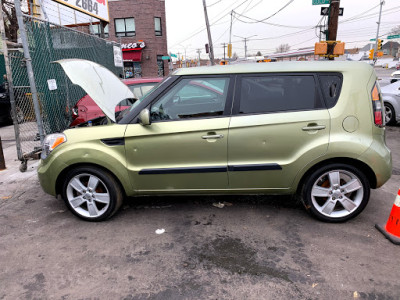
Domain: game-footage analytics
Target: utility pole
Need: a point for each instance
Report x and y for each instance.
(333, 24)
(224, 45)
(198, 52)
(377, 31)
(245, 39)
(209, 34)
(230, 38)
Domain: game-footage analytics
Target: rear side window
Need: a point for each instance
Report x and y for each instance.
(273, 93)
(331, 86)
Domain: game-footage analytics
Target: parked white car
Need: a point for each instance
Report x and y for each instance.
(391, 100)
(395, 76)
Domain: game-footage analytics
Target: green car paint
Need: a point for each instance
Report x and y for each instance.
(254, 153)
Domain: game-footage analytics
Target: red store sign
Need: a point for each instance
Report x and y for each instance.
(132, 51)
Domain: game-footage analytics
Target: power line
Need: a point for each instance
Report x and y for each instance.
(203, 28)
(214, 3)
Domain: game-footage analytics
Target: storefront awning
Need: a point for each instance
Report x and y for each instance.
(133, 55)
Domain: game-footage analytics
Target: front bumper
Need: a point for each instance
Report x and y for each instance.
(48, 172)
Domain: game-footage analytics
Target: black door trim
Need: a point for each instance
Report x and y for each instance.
(185, 170)
(257, 167)
(213, 169)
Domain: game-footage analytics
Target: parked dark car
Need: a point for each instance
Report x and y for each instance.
(5, 106)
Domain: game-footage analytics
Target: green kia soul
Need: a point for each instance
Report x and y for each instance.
(309, 128)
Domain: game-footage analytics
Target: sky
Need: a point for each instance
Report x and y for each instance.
(290, 22)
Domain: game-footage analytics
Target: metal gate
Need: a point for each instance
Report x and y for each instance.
(52, 91)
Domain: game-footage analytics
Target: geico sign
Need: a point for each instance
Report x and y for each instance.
(133, 45)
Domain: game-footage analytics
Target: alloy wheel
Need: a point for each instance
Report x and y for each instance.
(88, 195)
(337, 193)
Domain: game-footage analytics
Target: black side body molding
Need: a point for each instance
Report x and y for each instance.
(114, 141)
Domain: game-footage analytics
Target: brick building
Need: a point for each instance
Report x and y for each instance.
(139, 25)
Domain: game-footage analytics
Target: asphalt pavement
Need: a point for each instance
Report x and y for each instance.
(255, 247)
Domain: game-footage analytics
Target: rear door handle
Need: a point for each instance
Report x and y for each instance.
(212, 136)
(313, 127)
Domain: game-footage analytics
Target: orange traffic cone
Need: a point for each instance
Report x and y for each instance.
(392, 229)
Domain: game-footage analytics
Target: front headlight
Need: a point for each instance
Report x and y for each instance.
(52, 141)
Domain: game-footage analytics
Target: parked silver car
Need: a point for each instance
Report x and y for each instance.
(391, 100)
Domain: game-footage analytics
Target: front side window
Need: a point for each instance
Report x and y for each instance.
(157, 26)
(275, 93)
(125, 27)
(192, 98)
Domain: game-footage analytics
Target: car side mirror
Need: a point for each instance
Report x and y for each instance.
(144, 117)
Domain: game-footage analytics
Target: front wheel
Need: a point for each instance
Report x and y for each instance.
(91, 193)
(336, 193)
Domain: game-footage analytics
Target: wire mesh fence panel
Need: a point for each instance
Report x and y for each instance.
(56, 94)
(25, 113)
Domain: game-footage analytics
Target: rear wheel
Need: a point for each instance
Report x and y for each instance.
(390, 115)
(336, 193)
(91, 193)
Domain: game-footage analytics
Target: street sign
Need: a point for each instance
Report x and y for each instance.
(174, 55)
(320, 2)
(325, 11)
(372, 40)
(165, 57)
(397, 36)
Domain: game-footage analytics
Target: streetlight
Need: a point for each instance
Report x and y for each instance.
(245, 43)
(185, 50)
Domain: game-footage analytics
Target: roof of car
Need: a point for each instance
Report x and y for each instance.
(294, 66)
(130, 81)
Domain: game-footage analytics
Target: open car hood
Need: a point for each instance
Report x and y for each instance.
(106, 89)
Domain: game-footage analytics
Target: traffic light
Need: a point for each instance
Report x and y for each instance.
(339, 48)
(207, 48)
(380, 44)
(321, 48)
(371, 54)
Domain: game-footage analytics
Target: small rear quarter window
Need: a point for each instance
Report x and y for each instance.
(331, 86)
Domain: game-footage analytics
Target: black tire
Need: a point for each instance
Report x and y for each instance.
(107, 185)
(392, 114)
(320, 206)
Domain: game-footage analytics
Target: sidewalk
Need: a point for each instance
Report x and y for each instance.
(11, 179)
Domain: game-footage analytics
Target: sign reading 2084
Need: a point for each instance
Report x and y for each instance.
(94, 8)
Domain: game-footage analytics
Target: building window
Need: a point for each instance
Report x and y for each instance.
(160, 64)
(95, 29)
(125, 27)
(157, 26)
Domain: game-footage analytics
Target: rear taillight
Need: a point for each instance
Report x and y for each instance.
(377, 106)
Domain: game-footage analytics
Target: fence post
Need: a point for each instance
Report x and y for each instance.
(31, 76)
(10, 84)
(2, 161)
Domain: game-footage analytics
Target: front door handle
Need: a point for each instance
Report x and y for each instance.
(313, 127)
(212, 136)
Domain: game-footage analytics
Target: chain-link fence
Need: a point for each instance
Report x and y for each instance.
(56, 94)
